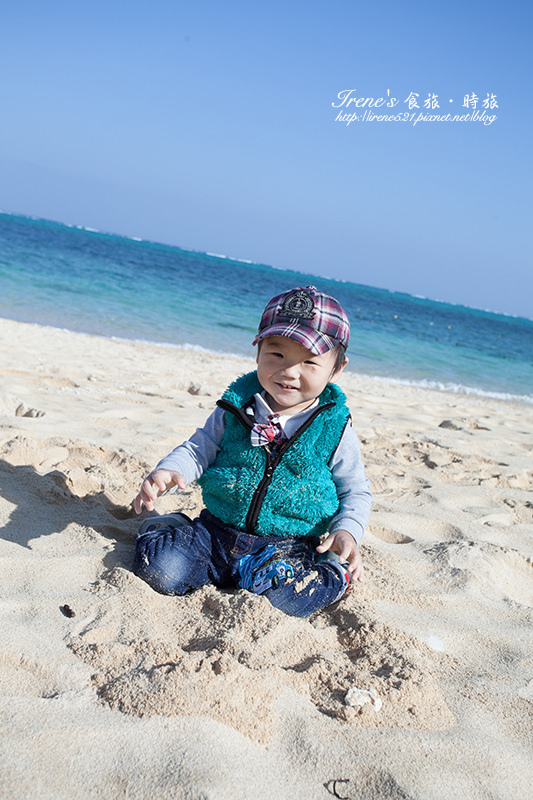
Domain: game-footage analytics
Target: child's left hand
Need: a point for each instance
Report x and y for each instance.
(343, 543)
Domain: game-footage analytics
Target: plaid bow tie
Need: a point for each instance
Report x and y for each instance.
(267, 433)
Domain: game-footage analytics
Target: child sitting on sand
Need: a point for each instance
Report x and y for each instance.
(286, 498)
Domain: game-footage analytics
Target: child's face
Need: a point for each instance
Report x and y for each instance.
(291, 375)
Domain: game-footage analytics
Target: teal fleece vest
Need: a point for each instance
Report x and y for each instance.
(288, 493)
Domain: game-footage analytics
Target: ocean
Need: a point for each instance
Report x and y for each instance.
(84, 280)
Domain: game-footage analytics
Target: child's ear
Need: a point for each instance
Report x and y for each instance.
(341, 369)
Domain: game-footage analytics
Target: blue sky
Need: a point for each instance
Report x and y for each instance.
(210, 125)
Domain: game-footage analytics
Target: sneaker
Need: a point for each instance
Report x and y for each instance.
(263, 571)
(341, 567)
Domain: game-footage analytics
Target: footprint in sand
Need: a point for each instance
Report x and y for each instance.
(406, 528)
(389, 535)
(493, 570)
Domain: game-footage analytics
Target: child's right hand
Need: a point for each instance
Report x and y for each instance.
(156, 484)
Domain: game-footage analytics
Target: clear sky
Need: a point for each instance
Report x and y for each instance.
(212, 126)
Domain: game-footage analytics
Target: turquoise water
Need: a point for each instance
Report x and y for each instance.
(83, 280)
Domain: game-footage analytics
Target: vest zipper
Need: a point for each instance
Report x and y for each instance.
(262, 488)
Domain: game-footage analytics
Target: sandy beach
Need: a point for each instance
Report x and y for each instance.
(109, 690)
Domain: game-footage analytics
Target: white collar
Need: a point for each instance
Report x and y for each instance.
(289, 422)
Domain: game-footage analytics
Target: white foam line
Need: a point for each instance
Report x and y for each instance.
(455, 388)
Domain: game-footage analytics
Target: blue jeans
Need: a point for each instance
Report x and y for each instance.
(178, 555)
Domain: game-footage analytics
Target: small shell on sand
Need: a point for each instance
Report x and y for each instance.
(436, 644)
(359, 697)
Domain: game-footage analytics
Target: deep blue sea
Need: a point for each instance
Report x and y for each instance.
(85, 280)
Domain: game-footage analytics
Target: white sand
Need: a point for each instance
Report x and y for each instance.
(218, 695)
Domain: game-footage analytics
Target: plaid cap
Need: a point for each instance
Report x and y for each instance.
(314, 319)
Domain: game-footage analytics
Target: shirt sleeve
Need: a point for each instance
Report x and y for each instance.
(353, 488)
(194, 456)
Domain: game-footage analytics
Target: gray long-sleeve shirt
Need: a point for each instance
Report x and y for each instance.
(194, 456)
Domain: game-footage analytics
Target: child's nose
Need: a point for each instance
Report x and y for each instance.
(290, 370)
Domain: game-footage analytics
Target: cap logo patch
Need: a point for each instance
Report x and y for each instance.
(299, 305)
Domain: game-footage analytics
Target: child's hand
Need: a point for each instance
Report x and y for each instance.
(343, 543)
(155, 485)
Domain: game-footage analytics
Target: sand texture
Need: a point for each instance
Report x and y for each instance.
(109, 690)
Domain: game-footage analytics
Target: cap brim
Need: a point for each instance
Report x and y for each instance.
(314, 341)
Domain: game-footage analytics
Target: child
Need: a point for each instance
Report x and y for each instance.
(279, 465)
